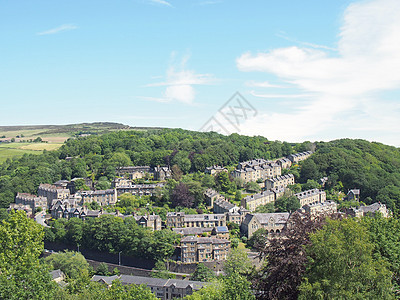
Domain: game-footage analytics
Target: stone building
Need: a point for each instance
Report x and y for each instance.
(271, 222)
(134, 172)
(311, 196)
(371, 210)
(51, 192)
(102, 197)
(180, 219)
(253, 201)
(32, 200)
(123, 185)
(26, 208)
(295, 158)
(151, 221)
(237, 217)
(353, 195)
(279, 182)
(214, 170)
(256, 169)
(210, 196)
(162, 173)
(328, 207)
(222, 206)
(284, 163)
(164, 289)
(202, 249)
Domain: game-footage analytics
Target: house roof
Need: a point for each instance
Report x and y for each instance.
(159, 282)
(276, 218)
(57, 274)
(104, 279)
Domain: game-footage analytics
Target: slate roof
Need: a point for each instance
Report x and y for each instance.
(279, 218)
(57, 274)
(105, 279)
(159, 282)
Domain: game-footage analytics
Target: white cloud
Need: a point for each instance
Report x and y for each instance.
(264, 84)
(62, 28)
(367, 62)
(162, 2)
(180, 82)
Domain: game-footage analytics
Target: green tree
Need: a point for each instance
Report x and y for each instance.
(202, 273)
(102, 269)
(287, 203)
(160, 270)
(342, 265)
(21, 274)
(233, 287)
(70, 262)
(267, 208)
(238, 261)
(252, 187)
(258, 238)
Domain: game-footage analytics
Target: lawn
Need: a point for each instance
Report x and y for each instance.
(10, 150)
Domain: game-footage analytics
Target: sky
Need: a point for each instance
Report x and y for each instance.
(288, 70)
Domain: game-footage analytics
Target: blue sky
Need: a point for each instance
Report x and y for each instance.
(313, 70)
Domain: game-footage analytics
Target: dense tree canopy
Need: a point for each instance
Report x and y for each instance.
(342, 266)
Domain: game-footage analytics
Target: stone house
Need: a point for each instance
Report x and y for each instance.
(279, 182)
(180, 219)
(162, 173)
(151, 221)
(284, 163)
(271, 222)
(220, 232)
(353, 195)
(134, 172)
(102, 197)
(222, 206)
(32, 200)
(123, 185)
(202, 249)
(311, 196)
(371, 210)
(237, 217)
(210, 196)
(26, 208)
(253, 201)
(214, 170)
(297, 157)
(52, 192)
(164, 289)
(328, 207)
(256, 169)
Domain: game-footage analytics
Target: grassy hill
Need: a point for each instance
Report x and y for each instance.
(15, 140)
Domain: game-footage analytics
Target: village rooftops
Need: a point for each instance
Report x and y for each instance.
(268, 218)
(307, 193)
(160, 282)
(282, 177)
(258, 195)
(192, 230)
(203, 240)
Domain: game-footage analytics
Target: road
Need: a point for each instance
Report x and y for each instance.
(40, 218)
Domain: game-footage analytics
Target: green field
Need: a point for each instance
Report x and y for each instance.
(10, 150)
(53, 135)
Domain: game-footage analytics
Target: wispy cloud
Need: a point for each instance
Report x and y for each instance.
(312, 45)
(264, 84)
(161, 2)
(179, 82)
(62, 28)
(346, 87)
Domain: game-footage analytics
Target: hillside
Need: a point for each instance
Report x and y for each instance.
(16, 141)
(372, 167)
